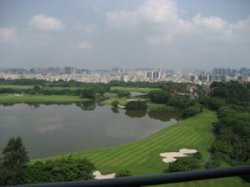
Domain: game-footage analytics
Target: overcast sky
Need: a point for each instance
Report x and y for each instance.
(133, 33)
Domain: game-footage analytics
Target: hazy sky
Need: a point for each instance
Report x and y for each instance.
(132, 33)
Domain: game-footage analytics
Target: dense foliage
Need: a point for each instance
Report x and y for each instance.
(192, 110)
(231, 100)
(15, 170)
(167, 86)
(123, 173)
(158, 96)
(232, 136)
(233, 92)
(186, 163)
(180, 102)
(88, 93)
(13, 161)
(65, 169)
(51, 88)
(136, 105)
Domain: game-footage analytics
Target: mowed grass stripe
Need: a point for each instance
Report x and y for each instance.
(162, 140)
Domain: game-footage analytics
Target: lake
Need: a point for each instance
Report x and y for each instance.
(54, 129)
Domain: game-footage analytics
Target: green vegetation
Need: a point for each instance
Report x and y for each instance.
(123, 173)
(232, 142)
(186, 163)
(233, 92)
(142, 157)
(12, 164)
(167, 86)
(191, 111)
(15, 170)
(229, 146)
(65, 169)
(22, 87)
(136, 105)
(133, 89)
(160, 107)
(158, 96)
(88, 93)
(121, 100)
(27, 98)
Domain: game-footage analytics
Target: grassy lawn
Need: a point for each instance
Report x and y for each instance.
(121, 100)
(24, 87)
(21, 87)
(133, 89)
(26, 98)
(62, 88)
(142, 157)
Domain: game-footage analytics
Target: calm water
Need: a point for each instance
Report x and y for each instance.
(55, 129)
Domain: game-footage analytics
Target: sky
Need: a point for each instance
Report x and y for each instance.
(98, 34)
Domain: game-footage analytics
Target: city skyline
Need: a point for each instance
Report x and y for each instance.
(169, 34)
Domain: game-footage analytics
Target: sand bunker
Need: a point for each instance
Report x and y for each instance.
(98, 175)
(168, 157)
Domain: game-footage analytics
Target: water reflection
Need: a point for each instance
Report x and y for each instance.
(87, 105)
(34, 105)
(47, 126)
(136, 113)
(115, 110)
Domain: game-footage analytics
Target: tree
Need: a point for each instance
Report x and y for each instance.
(159, 96)
(179, 102)
(191, 111)
(123, 94)
(59, 170)
(36, 88)
(185, 164)
(88, 93)
(136, 105)
(115, 104)
(13, 162)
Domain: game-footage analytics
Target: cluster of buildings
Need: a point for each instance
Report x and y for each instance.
(141, 74)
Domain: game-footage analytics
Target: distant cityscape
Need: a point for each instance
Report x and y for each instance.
(126, 74)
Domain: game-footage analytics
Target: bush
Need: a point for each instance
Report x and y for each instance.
(213, 103)
(191, 111)
(124, 173)
(158, 96)
(115, 104)
(123, 94)
(88, 93)
(136, 105)
(185, 164)
(66, 169)
(180, 102)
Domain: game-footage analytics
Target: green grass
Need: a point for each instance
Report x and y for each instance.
(121, 100)
(27, 98)
(21, 87)
(24, 87)
(142, 157)
(133, 89)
